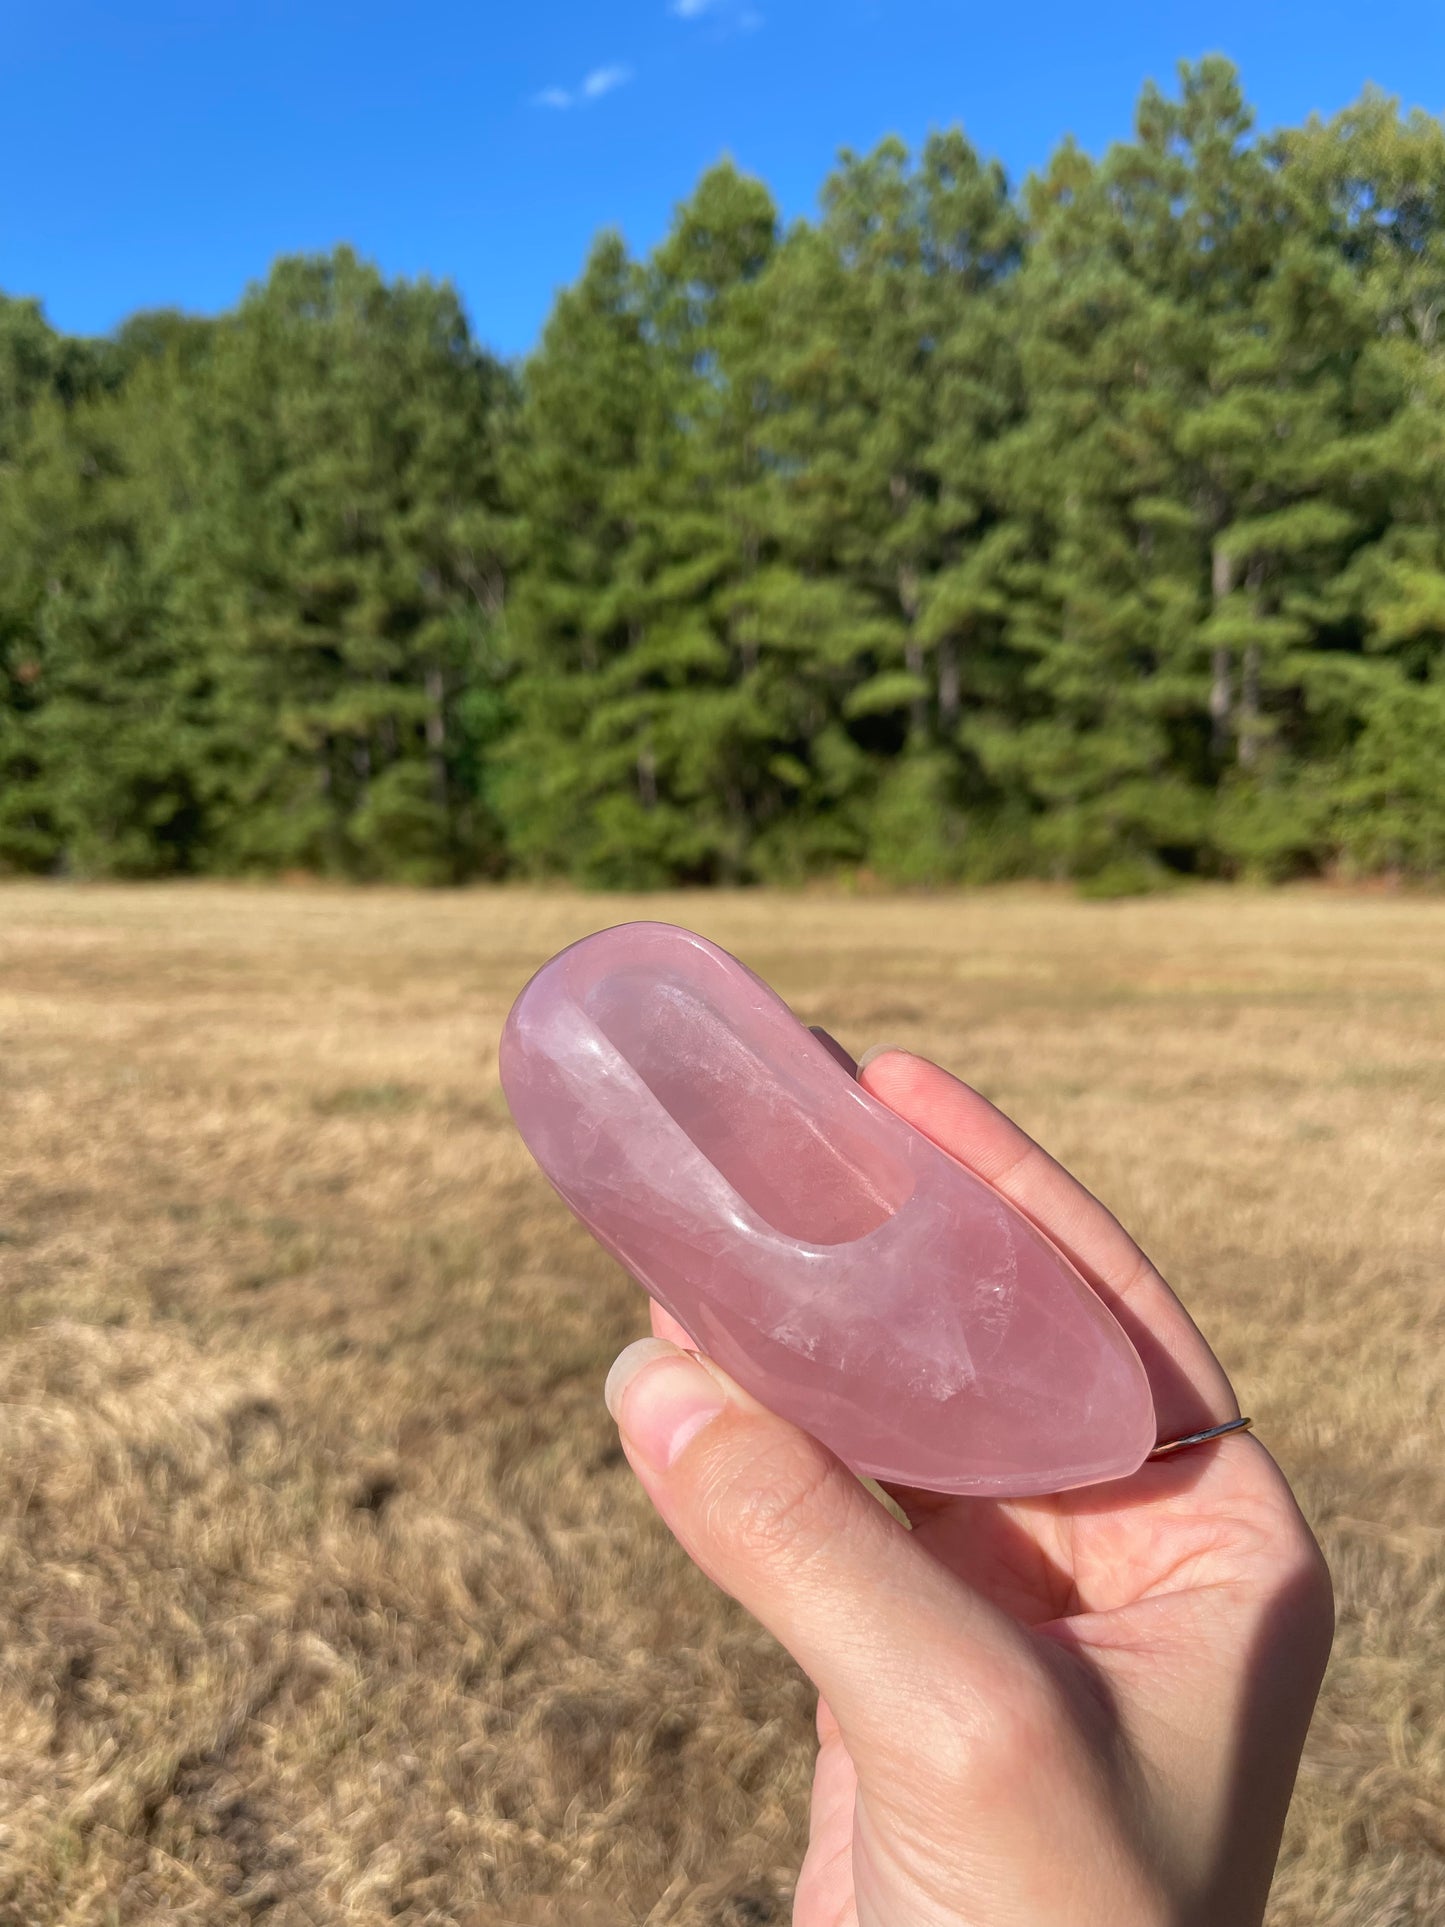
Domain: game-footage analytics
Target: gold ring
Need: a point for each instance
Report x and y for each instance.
(1201, 1438)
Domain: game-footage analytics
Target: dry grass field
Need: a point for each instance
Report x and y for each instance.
(325, 1593)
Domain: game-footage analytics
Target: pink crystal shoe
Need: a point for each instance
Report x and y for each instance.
(846, 1271)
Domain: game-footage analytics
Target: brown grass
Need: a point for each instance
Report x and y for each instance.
(325, 1593)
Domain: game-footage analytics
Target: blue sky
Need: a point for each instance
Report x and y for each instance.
(163, 152)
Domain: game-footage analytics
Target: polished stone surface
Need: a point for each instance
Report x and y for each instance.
(845, 1270)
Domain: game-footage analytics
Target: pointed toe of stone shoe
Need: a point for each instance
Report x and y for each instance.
(841, 1266)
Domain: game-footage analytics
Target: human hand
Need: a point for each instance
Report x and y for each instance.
(1085, 1710)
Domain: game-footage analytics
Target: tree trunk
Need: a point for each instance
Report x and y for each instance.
(912, 650)
(734, 854)
(1221, 694)
(1249, 707)
(487, 584)
(748, 638)
(900, 491)
(1221, 700)
(918, 705)
(949, 686)
(1249, 737)
(436, 735)
(647, 778)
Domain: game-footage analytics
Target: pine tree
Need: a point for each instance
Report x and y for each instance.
(953, 820)
(1104, 578)
(105, 770)
(1377, 181)
(345, 573)
(568, 801)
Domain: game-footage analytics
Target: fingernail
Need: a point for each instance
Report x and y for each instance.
(661, 1399)
(877, 1050)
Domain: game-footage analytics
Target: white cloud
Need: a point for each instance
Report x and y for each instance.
(602, 80)
(734, 16)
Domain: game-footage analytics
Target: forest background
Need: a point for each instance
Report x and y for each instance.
(1090, 528)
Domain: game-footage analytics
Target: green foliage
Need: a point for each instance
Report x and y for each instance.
(260, 592)
(916, 831)
(1094, 530)
(1125, 876)
(1390, 805)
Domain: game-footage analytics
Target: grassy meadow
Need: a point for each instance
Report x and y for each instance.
(326, 1595)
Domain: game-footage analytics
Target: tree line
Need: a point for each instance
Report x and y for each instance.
(1093, 528)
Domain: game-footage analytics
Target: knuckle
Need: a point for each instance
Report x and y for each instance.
(1299, 1593)
(1310, 1596)
(987, 1741)
(774, 1503)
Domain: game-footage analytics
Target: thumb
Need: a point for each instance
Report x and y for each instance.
(912, 1662)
